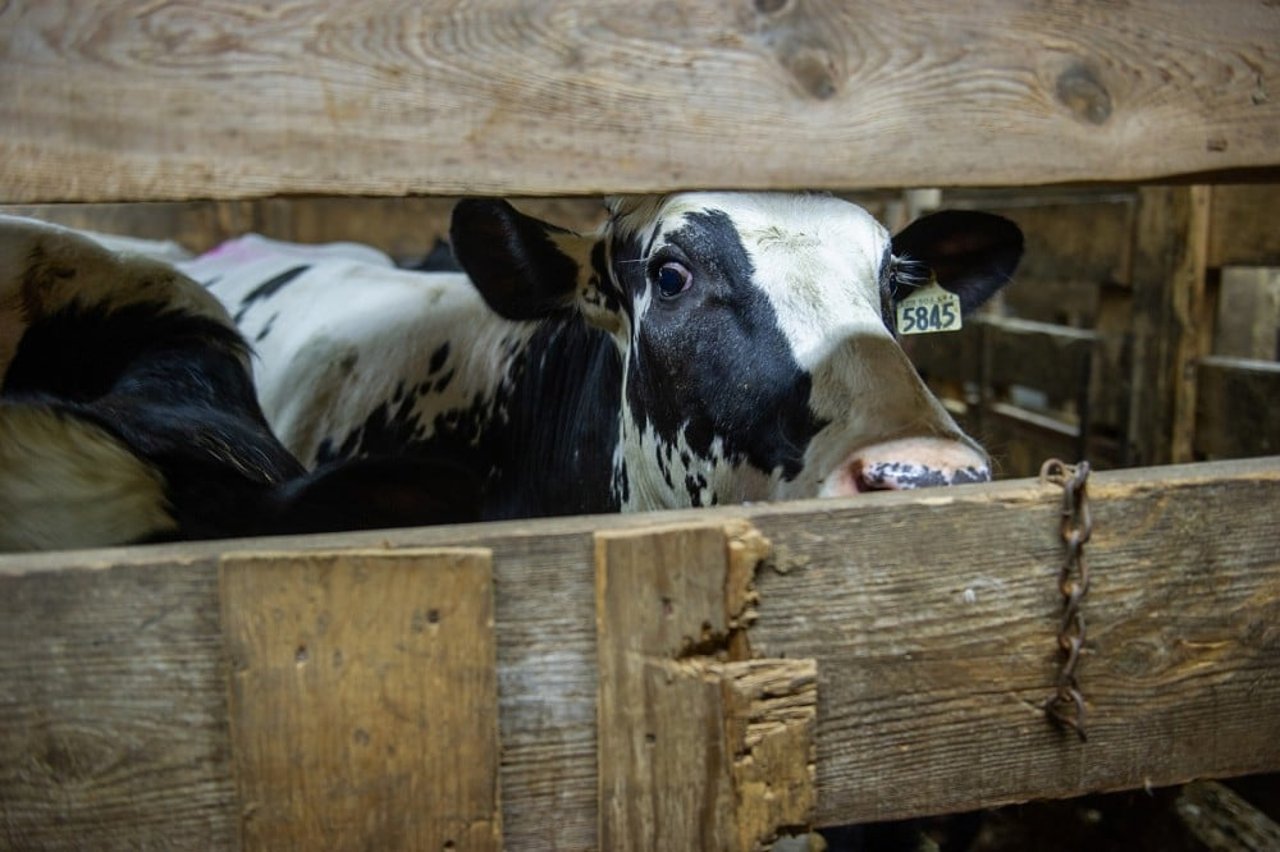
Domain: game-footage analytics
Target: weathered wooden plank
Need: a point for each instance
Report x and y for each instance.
(364, 699)
(1076, 240)
(195, 225)
(113, 724)
(1243, 230)
(1237, 413)
(404, 228)
(931, 617)
(699, 746)
(1019, 440)
(1248, 316)
(1223, 820)
(936, 649)
(133, 101)
(1110, 381)
(1051, 358)
(1171, 321)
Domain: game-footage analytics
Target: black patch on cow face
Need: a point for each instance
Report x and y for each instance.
(268, 288)
(713, 361)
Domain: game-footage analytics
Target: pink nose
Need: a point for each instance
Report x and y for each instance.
(907, 463)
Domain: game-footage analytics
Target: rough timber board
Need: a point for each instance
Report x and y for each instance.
(363, 699)
(700, 746)
(113, 721)
(926, 699)
(133, 100)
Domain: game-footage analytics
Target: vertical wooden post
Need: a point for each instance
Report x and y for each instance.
(1171, 321)
(700, 747)
(364, 699)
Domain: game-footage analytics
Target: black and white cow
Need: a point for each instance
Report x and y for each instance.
(701, 348)
(128, 413)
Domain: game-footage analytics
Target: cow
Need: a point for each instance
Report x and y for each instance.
(128, 414)
(699, 348)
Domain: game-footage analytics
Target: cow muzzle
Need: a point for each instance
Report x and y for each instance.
(907, 463)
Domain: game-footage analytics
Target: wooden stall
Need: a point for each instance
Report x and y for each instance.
(702, 679)
(1069, 362)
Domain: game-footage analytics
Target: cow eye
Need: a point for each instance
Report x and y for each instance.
(673, 279)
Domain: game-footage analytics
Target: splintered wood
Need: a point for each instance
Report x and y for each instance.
(699, 745)
(364, 699)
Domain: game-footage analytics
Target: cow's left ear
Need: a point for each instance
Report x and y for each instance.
(525, 268)
(972, 254)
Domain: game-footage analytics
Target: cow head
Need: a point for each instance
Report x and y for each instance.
(756, 333)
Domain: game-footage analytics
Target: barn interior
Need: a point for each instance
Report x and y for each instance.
(839, 667)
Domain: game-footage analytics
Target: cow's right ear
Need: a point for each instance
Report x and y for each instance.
(524, 268)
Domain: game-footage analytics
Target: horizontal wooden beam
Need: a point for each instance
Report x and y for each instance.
(932, 619)
(131, 100)
(1236, 412)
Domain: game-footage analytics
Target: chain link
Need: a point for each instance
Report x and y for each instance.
(1066, 705)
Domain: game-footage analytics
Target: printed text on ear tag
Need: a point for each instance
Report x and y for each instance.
(929, 309)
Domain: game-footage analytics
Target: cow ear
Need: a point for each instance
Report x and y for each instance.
(524, 268)
(972, 254)
(376, 493)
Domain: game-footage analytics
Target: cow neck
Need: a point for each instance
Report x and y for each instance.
(553, 452)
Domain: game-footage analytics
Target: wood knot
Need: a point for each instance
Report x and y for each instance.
(814, 69)
(771, 7)
(1081, 92)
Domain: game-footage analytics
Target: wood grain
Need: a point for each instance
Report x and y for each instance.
(1243, 231)
(113, 723)
(133, 100)
(1223, 820)
(930, 615)
(1172, 321)
(364, 699)
(1248, 313)
(699, 747)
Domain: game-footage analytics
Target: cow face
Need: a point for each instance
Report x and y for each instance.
(756, 335)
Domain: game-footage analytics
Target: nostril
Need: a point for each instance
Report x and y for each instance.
(904, 464)
(872, 477)
(901, 476)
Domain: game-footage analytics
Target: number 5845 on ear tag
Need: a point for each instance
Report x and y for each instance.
(929, 309)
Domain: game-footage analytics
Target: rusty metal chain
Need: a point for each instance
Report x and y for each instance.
(1066, 705)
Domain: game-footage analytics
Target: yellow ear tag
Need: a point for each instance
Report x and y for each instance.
(928, 310)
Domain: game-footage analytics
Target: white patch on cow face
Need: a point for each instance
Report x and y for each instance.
(817, 260)
(65, 483)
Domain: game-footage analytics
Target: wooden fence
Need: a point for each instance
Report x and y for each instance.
(682, 680)
(1079, 358)
(601, 682)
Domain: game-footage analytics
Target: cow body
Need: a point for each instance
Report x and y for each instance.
(128, 413)
(699, 349)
